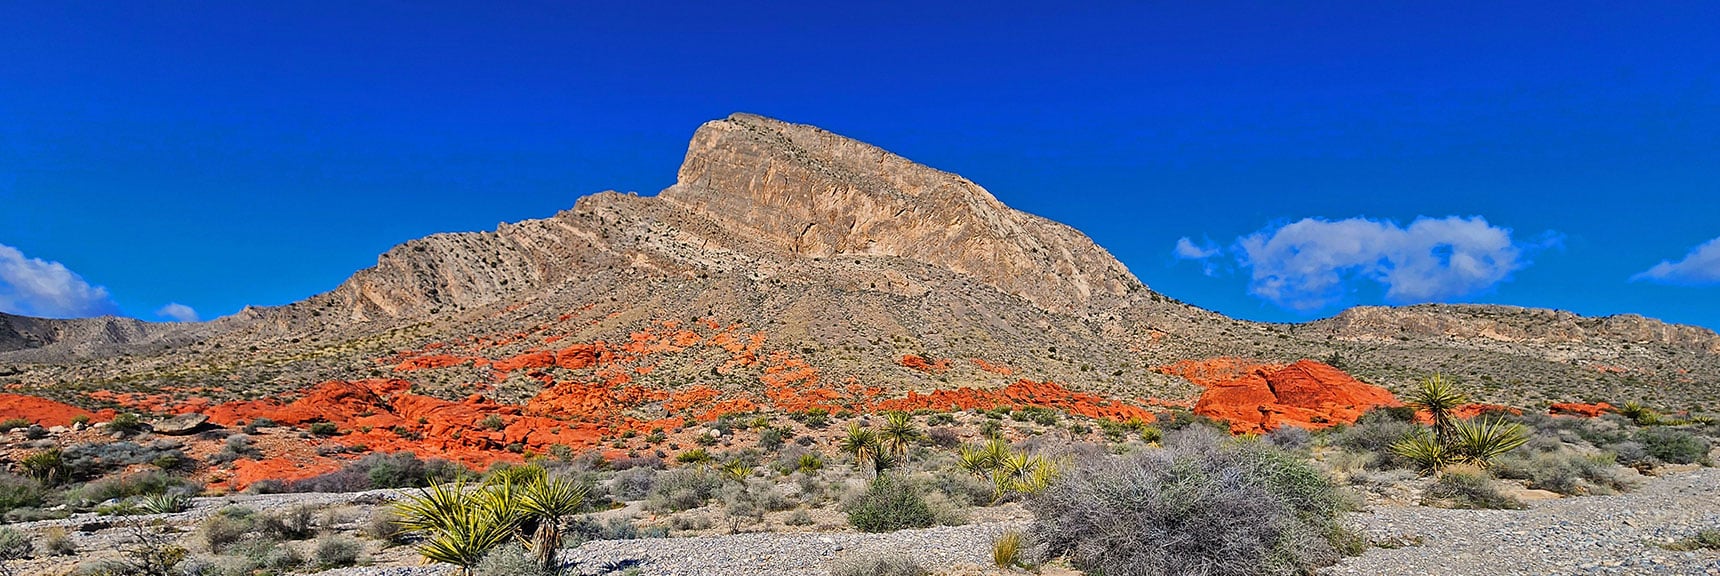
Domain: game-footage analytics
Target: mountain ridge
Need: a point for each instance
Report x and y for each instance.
(853, 257)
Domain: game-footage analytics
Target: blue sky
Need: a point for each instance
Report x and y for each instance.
(1271, 160)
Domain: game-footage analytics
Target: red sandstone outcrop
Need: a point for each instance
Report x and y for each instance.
(1256, 398)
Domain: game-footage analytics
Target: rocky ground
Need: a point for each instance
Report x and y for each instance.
(1623, 534)
(1620, 534)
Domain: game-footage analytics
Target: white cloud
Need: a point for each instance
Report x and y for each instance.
(1187, 250)
(177, 312)
(36, 287)
(1308, 264)
(1700, 266)
(1206, 252)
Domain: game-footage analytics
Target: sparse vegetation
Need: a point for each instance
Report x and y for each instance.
(1204, 504)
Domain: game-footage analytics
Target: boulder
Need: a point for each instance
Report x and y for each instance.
(182, 424)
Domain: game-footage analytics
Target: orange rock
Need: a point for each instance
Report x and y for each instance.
(998, 369)
(919, 363)
(1581, 409)
(44, 411)
(1262, 398)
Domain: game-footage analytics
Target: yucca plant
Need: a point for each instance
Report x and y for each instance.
(898, 433)
(862, 444)
(548, 503)
(1480, 442)
(737, 471)
(48, 467)
(518, 475)
(461, 523)
(1425, 450)
(809, 463)
(166, 503)
(1439, 397)
(468, 533)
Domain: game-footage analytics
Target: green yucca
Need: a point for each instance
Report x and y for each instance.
(549, 502)
(462, 523)
(48, 467)
(518, 475)
(898, 433)
(1481, 441)
(1425, 451)
(862, 443)
(1439, 397)
(1037, 478)
(166, 503)
(809, 463)
(737, 471)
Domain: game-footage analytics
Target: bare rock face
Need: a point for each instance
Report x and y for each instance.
(1509, 324)
(815, 194)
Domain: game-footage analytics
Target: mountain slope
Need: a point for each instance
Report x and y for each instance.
(834, 255)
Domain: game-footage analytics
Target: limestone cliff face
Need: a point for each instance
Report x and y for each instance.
(815, 194)
(1510, 324)
(766, 192)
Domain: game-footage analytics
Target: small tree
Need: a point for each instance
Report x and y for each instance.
(862, 444)
(1440, 398)
(898, 433)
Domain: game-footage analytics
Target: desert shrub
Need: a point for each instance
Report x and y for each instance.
(227, 527)
(1006, 549)
(584, 529)
(1705, 539)
(384, 525)
(56, 542)
(336, 551)
(324, 429)
(373, 471)
(682, 489)
(944, 437)
(1633, 454)
(139, 484)
(85, 461)
(11, 424)
(297, 523)
(1673, 446)
(772, 439)
(1205, 504)
(633, 483)
(1290, 437)
(1375, 436)
(964, 488)
(14, 545)
(19, 492)
(1468, 487)
(877, 564)
(509, 560)
(798, 518)
(1564, 471)
(887, 505)
(126, 424)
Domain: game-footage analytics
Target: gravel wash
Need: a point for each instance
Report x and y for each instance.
(763, 554)
(1619, 534)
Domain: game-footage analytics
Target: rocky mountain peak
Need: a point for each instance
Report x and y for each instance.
(811, 193)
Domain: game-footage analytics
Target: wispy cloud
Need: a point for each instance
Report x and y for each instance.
(1700, 266)
(1311, 263)
(36, 287)
(177, 312)
(1205, 253)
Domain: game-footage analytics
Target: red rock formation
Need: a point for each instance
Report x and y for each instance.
(920, 363)
(1581, 409)
(998, 369)
(1261, 398)
(44, 411)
